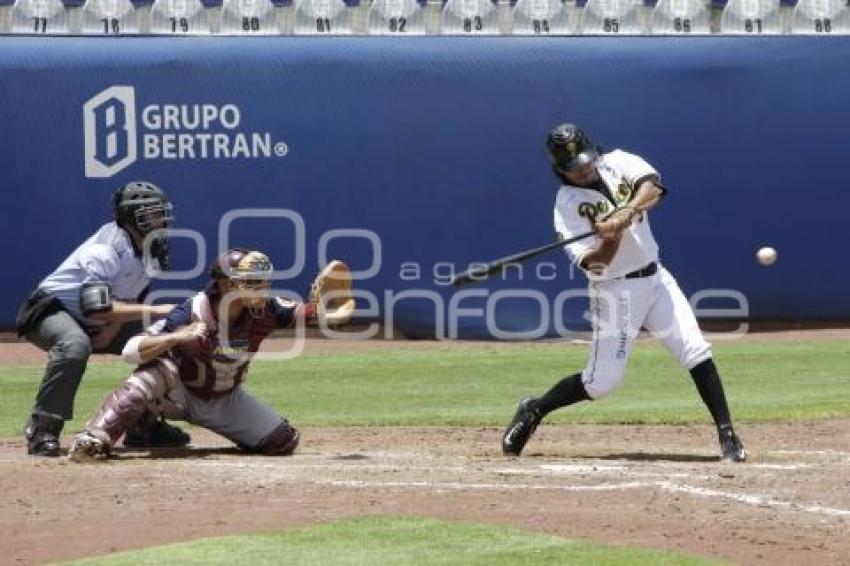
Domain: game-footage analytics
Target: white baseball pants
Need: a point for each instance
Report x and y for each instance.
(619, 308)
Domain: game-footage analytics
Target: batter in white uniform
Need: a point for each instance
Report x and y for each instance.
(629, 289)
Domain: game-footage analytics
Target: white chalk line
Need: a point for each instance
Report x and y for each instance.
(460, 486)
(755, 500)
(331, 465)
(286, 472)
(584, 469)
(812, 452)
(759, 500)
(780, 466)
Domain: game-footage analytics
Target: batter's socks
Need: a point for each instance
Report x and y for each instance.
(566, 392)
(710, 389)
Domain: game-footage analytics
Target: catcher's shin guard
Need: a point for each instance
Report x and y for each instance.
(120, 410)
(125, 406)
(282, 441)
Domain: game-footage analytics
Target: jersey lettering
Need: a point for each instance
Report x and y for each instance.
(591, 210)
(623, 194)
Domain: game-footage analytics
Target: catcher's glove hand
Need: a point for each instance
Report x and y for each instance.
(330, 294)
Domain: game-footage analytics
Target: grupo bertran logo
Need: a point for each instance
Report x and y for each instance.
(117, 135)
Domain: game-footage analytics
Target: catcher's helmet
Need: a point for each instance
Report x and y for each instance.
(570, 148)
(250, 272)
(144, 207)
(242, 264)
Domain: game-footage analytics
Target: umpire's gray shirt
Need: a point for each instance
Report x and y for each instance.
(108, 257)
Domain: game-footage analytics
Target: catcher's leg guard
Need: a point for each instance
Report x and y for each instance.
(126, 405)
(282, 441)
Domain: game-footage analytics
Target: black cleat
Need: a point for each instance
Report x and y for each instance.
(731, 447)
(42, 434)
(151, 432)
(43, 443)
(522, 426)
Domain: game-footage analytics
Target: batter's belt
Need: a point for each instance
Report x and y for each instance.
(650, 269)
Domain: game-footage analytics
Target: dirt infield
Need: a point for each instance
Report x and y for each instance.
(653, 486)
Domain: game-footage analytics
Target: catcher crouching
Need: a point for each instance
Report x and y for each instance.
(193, 362)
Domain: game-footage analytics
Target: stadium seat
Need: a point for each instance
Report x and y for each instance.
(396, 17)
(470, 17)
(751, 17)
(249, 17)
(74, 15)
(680, 17)
(6, 7)
(142, 10)
(818, 17)
(322, 17)
(543, 17)
(212, 15)
(39, 17)
(179, 17)
(109, 17)
(611, 17)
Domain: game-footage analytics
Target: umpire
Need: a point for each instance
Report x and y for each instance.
(92, 303)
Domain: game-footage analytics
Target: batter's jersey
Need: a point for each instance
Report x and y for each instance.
(217, 365)
(577, 209)
(106, 257)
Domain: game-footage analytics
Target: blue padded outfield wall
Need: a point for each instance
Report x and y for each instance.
(436, 145)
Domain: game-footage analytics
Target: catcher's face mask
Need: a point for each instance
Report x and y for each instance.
(251, 278)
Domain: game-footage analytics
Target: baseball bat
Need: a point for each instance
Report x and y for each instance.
(483, 271)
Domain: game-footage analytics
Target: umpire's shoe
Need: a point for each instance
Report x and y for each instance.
(153, 432)
(522, 426)
(42, 433)
(731, 447)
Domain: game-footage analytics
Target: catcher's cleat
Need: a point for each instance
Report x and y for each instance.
(42, 434)
(88, 448)
(522, 426)
(731, 447)
(151, 432)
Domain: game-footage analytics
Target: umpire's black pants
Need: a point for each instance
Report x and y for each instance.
(68, 348)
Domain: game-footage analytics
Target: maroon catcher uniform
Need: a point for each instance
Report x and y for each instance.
(193, 362)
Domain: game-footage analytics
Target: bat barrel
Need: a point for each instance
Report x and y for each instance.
(474, 274)
(482, 272)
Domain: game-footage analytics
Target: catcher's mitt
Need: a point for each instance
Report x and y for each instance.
(330, 294)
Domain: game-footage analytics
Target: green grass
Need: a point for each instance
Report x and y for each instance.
(458, 385)
(397, 541)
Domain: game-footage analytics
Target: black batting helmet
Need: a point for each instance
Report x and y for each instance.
(570, 148)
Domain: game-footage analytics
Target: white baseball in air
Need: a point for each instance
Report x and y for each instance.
(766, 256)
